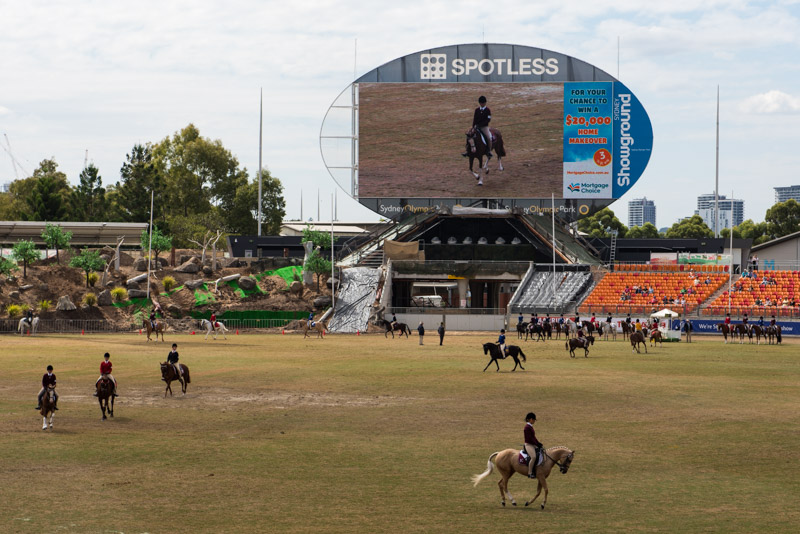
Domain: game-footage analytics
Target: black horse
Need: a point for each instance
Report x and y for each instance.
(522, 330)
(402, 327)
(537, 330)
(476, 149)
(576, 343)
(493, 350)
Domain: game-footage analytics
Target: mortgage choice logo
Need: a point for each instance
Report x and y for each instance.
(584, 179)
(434, 66)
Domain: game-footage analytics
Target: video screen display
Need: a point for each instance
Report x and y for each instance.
(412, 137)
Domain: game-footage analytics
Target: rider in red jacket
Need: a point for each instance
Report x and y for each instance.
(105, 370)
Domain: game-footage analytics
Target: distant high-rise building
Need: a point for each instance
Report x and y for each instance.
(731, 210)
(640, 211)
(782, 194)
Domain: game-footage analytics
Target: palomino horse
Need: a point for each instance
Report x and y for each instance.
(476, 148)
(390, 328)
(636, 338)
(168, 374)
(319, 328)
(48, 406)
(105, 396)
(206, 324)
(507, 463)
(655, 337)
(577, 342)
(493, 350)
(160, 326)
(31, 329)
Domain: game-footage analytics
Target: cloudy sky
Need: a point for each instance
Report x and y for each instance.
(103, 76)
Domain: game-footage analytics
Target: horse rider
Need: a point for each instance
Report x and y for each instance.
(29, 317)
(172, 358)
(105, 371)
(561, 319)
(761, 322)
(744, 321)
(501, 342)
(638, 326)
(532, 445)
(153, 322)
(48, 379)
(628, 319)
(581, 336)
(728, 319)
(535, 319)
(547, 319)
(213, 320)
(480, 121)
(520, 319)
(311, 320)
(772, 322)
(394, 321)
(593, 320)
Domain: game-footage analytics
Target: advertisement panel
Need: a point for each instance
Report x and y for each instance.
(559, 126)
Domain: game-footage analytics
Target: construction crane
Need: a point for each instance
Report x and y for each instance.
(14, 162)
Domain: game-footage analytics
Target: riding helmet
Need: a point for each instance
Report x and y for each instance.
(530, 415)
(482, 100)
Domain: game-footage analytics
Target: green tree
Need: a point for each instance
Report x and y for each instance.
(320, 239)
(25, 252)
(758, 232)
(7, 266)
(241, 217)
(646, 231)
(140, 178)
(55, 237)
(47, 200)
(318, 265)
(601, 223)
(187, 162)
(89, 261)
(783, 218)
(691, 227)
(14, 202)
(88, 199)
(160, 242)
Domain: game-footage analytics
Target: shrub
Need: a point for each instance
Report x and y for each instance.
(45, 305)
(14, 310)
(24, 307)
(90, 299)
(93, 278)
(119, 294)
(169, 283)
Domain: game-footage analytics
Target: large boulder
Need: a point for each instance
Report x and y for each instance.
(296, 288)
(189, 266)
(207, 270)
(132, 285)
(162, 262)
(14, 295)
(247, 283)
(140, 264)
(65, 304)
(26, 287)
(193, 284)
(137, 294)
(322, 302)
(104, 298)
(174, 311)
(232, 262)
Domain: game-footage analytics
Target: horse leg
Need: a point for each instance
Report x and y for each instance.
(44, 422)
(502, 491)
(538, 492)
(51, 420)
(543, 483)
(111, 409)
(488, 364)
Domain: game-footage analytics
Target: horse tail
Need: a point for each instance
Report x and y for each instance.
(566, 345)
(499, 147)
(524, 359)
(186, 376)
(489, 469)
(408, 330)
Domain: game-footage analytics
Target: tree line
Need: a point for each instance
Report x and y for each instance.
(781, 219)
(197, 185)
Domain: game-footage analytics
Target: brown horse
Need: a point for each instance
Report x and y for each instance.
(476, 148)
(726, 330)
(758, 332)
(493, 350)
(507, 463)
(160, 326)
(105, 396)
(636, 338)
(655, 337)
(48, 406)
(320, 329)
(741, 330)
(774, 332)
(390, 328)
(627, 329)
(558, 328)
(168, 374)
(577, 342)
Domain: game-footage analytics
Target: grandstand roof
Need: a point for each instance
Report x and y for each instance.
(83, 233)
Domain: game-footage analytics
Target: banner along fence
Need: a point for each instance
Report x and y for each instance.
(65, 326)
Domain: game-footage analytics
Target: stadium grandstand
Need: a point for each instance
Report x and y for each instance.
(760, 293)
(639, 291)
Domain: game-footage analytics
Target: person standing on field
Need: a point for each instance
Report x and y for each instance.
(421, 331)
(441, 333)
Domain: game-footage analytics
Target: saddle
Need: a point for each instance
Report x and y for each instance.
(476, 131)
(524, 458)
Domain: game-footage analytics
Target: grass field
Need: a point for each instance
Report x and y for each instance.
(363, 434)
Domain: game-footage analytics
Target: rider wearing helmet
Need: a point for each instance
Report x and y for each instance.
(311, 320)
(501, 342)
(480, 121)
(153, 319)
(213, 320)
(172, 358)
(48, 379)
(532, 445)
(105, 370)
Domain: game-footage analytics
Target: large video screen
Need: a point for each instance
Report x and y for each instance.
(412, 136)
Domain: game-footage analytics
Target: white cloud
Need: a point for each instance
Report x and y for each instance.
(771, 102)
(4, 110)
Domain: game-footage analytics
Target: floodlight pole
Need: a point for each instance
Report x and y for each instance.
(150, 245)
(553, 218)
(333, 263)
(260, 144)
(716, 186)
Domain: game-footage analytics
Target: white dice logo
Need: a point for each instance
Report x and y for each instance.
(432, 66)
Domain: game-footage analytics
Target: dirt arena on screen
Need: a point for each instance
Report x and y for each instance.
(411, 137)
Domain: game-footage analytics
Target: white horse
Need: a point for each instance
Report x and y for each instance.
(205, 323)
(29, 328)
